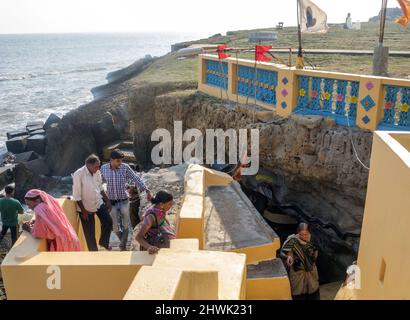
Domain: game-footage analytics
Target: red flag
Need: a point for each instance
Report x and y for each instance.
(260, 53)
(221, 52)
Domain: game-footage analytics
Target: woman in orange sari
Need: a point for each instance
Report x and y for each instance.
(50, 222)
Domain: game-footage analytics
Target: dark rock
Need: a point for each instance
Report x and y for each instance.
(116, 78)
(6, 175)
(69, 143)
(26, 180)
(67, 180)
(14, 134)
(40, 132)
(17, 144)
(52, 119)
(36, 143)
(34, 128)
(25, 156)
(35, 124)
(38, 166)
(105, 131)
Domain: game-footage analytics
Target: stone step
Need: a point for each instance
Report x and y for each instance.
(233, 224)
(267, 280)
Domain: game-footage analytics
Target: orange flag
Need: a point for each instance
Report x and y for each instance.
(405, 7)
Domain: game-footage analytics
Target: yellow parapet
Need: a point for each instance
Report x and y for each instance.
(28, 274)
(182, 272)
(156, 283)
(230, 267)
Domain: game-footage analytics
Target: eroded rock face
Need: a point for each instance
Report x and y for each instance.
(310, 158)
(84, 131)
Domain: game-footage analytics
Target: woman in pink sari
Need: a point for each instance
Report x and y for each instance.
(50, 222)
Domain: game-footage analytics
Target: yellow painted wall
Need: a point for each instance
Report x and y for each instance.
(268, 289)
(84, 275)
(384, 258)
(231, 268)
(156, 283)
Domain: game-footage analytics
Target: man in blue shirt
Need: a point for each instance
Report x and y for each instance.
(119, 176)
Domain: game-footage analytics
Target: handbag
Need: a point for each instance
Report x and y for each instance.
(155, 236)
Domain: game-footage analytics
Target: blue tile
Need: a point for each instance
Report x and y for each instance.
(366, 119)
(368, 103)
(284, 105)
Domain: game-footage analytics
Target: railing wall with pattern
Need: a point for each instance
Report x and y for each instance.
(374, 103)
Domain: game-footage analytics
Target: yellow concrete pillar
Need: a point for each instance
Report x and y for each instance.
(231, 79)
(286, 92)
(370, 105)
(201, 72)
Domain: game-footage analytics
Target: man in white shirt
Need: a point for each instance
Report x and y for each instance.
(89, 193)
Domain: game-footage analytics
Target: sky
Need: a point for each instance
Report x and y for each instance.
(210, 16)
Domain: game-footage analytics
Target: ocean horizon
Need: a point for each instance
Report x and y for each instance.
(43, 73)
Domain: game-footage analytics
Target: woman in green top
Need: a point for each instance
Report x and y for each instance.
(300, 255)
(10, 208)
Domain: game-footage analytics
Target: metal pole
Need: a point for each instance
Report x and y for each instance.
(383, 14)
(299, 61)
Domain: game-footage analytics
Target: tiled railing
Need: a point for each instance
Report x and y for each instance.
(260, 84)
(217, 74)
(369, 102)
(396, 108)
(328, 97)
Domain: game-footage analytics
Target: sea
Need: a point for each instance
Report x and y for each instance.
(54, 73)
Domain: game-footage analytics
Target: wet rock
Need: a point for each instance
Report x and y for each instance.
(18, 133)
(25, 156)
(52, 119)
(31, 129)
(39, 131)
(17, 144)
(35, 124)
(36, 143)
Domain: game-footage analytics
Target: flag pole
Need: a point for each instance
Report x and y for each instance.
(299, 60)
(381, 53)
(383, 14)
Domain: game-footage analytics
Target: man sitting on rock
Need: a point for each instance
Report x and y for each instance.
(10, 208)
(119, 176)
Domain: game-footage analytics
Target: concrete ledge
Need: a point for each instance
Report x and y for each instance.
(155, 283)
(231, 268)
(268, 281)
(185, 244)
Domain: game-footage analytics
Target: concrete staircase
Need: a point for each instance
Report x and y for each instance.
(217, 213)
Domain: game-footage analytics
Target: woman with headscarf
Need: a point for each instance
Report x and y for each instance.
(300, 255)
(50, 222)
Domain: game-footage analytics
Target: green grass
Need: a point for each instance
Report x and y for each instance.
(169, 68)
